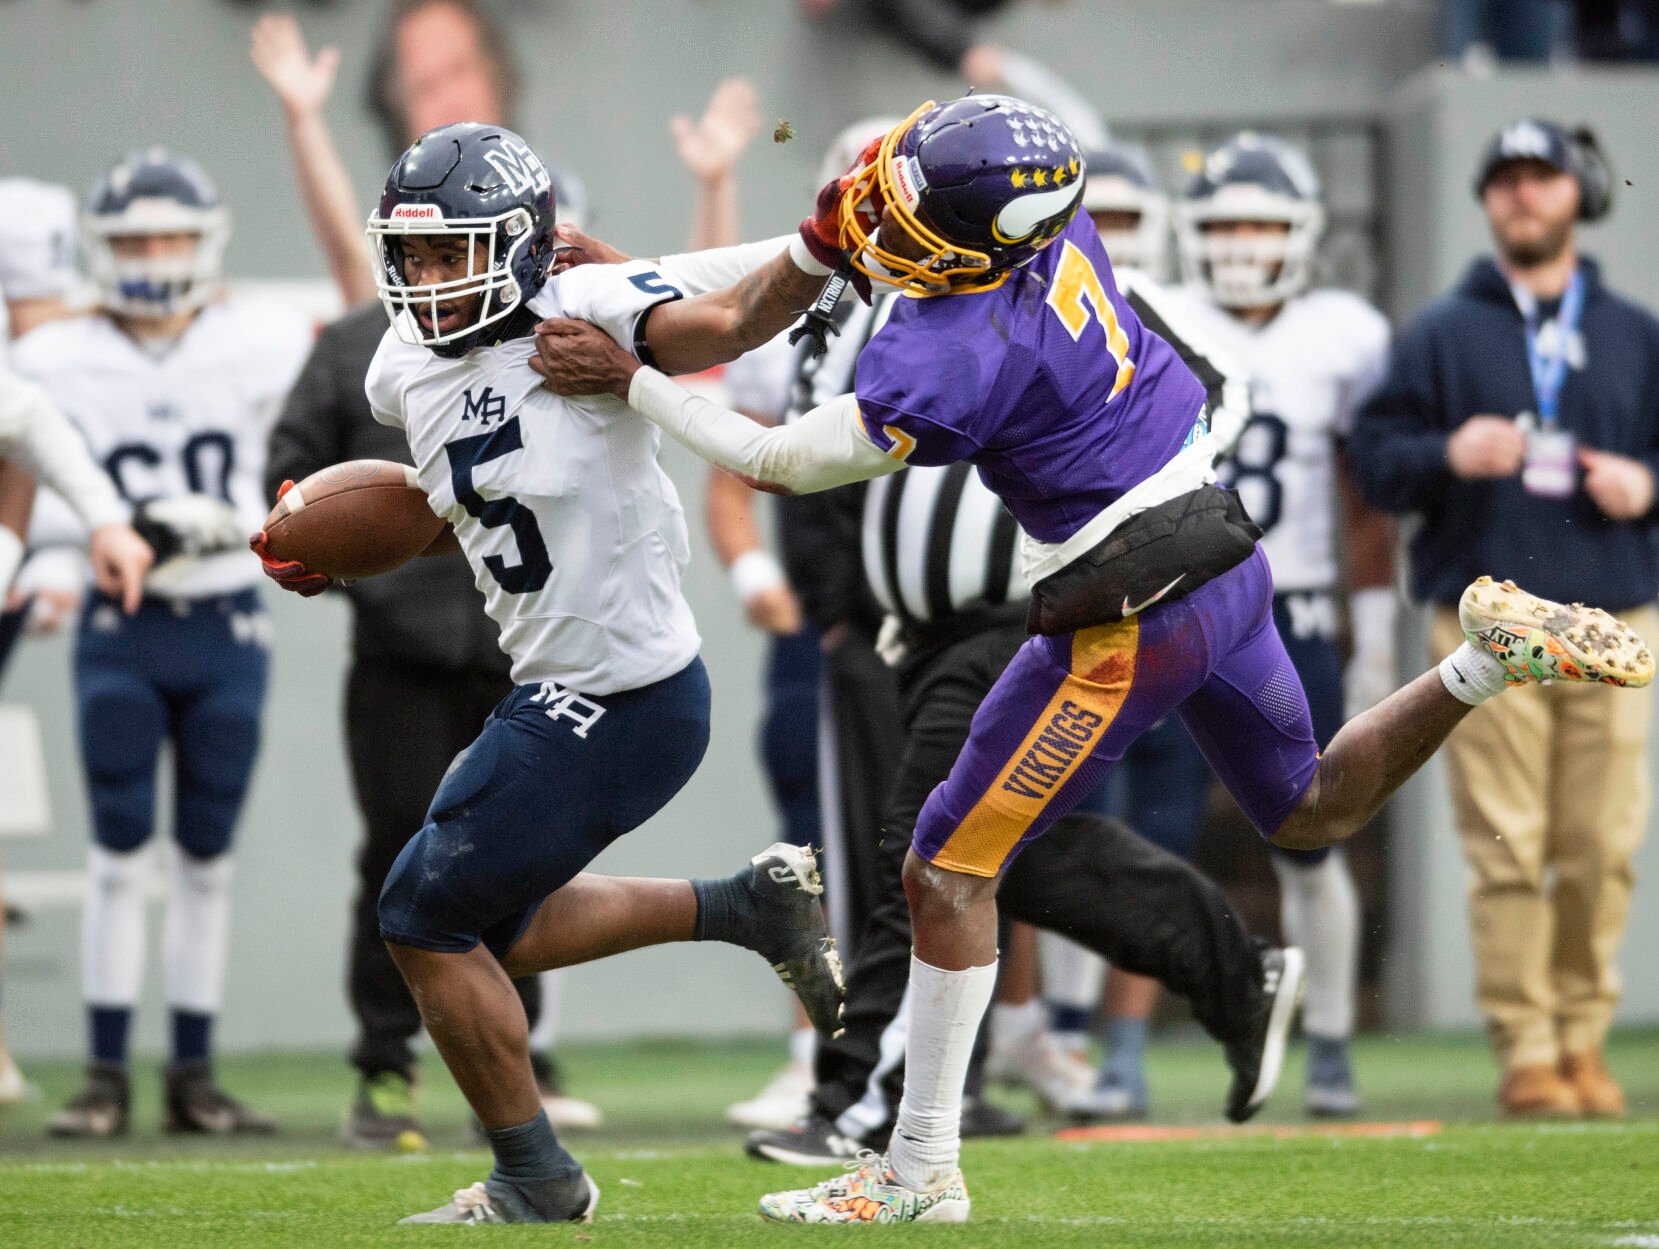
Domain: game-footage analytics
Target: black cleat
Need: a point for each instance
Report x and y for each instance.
(99, 1110)
(382, 1115)
(789, 930)
(196, 1104)
(811, 1141)
(1257, 1059)
(983, 1118)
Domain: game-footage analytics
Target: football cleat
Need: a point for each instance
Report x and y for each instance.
(790, 932)
(811, 1141)
(868, 1193)
(1537, 640)
(100, 1109)
(13, 1087)
(983, 1118)
(1257, 1059)
(497, 1203)
(1057, 1075)
(1110, 1100)
(382, 1115)
(780, 1103)
(196, 1104)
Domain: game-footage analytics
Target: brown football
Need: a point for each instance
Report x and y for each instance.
(353, 520)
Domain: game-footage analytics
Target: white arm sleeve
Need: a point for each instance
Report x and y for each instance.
(824, 448)
(34, 431)
(720, 267)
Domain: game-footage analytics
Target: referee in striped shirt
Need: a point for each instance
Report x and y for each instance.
(941, 556)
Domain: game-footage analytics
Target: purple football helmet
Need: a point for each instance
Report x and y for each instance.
(984, 183)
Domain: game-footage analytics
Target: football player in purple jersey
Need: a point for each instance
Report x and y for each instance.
(1018, 354)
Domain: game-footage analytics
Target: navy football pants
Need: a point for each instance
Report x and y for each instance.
(188, 672)
(545, 788)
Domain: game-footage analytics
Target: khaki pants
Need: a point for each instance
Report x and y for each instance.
(1549, 788)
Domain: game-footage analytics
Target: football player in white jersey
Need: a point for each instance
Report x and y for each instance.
(577, 541)
(1247, 227)
(172, 388)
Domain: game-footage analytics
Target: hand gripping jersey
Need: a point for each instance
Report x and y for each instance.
(190, 419)
(574, 533)
(1309, 369)
(1048, 383)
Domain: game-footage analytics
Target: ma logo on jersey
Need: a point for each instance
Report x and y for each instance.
(519, 167)
(487, 409)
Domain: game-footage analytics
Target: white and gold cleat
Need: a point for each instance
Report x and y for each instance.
(1539, 641)
(868, 1193)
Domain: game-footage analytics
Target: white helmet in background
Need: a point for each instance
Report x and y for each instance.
(153, 191)
(1119, 182)
(1251, 178)
(845, 147)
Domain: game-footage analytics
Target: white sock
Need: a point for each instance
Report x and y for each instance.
(546, 1031)
(945, 1010)
(112, 925)
(1319, 911)
(1012, 1023)
(803, 1047)
(1072, 974)
(1471, 675)
(196, 935)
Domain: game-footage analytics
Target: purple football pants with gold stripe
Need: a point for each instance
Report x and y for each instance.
(1068, 706)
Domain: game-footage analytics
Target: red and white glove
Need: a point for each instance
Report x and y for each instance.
(288, 573)
(821, 232)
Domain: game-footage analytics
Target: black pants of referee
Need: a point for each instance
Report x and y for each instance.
(860, 740)
(404, 723)
(1089, 877)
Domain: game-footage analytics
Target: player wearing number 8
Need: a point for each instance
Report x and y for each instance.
(173, 387)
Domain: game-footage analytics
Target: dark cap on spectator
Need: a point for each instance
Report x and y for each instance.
(1573, 152)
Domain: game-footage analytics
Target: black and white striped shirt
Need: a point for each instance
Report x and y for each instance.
(935, 541)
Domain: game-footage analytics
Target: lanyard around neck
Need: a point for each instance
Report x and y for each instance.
(1549, 368)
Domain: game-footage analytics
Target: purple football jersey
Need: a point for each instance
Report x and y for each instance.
(1047, 383)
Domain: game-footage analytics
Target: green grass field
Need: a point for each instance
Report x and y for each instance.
(673, 1174)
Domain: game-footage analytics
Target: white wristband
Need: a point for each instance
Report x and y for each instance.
(1371, 616)
(11, 558)
(753, 572)
(805, 261)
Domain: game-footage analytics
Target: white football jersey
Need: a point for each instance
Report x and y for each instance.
(1309, 369)
(575, 534)
(37, 244)
(192, 419)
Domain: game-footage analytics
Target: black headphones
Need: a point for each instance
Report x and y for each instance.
(1574, 152)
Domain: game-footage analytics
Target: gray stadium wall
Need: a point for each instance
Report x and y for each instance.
(79, 83)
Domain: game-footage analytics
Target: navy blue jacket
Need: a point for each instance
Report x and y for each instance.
(1466, 355)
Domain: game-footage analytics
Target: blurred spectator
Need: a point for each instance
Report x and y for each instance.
(941, 31)
(1512, 30)
(440, 61)
(1518, 418)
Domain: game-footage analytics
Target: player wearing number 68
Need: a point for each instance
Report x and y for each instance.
(173, 386)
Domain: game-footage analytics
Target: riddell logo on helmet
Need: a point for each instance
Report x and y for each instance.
(907, 177)
(416, 212)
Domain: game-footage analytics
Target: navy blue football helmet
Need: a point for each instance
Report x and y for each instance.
(984, 183)
(1120, 183)
(483, 184)
(1250, 178)
(153, 191)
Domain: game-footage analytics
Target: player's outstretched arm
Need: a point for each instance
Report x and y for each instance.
(303, 83)
(825, 448)
(690, 335)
